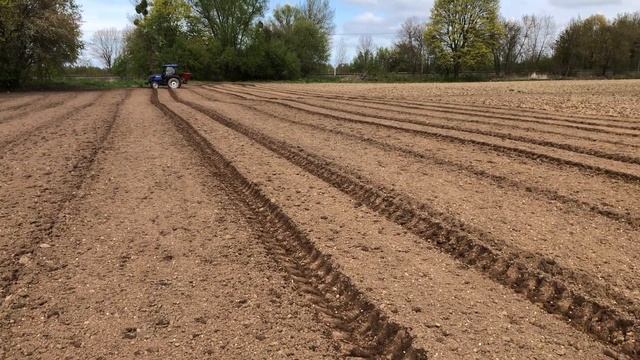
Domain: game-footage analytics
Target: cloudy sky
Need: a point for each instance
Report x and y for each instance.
(380, 18)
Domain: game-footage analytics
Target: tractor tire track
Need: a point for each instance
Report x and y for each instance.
(370, 332)
(498, 135)
(79, 173)
(497, 180)
(504, 149)
(21, 105)
(24, 136)
(33, 109)
(508, 114)
(605, 323)
(421, 107)
(361, 104)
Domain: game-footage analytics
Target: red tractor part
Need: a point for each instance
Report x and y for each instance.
(186, 76)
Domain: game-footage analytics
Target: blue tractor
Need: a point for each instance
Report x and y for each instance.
(170, 77)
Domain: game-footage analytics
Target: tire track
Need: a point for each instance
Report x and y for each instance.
(499, 135)
(539, 264)
(496, 180)
(504, 149)
(25, 135)
(361, 104)
(421, 107)
(41, 107)
(509, 113)
(449, 235)
(78, 175)
(346, 309)
(523, 139)
(23, 105)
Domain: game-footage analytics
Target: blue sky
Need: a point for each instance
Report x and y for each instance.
(381, 18)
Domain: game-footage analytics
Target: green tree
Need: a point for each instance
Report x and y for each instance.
(626, 42)
(230, 21)
(37, 38)
(167, 33)
(284, 18)
(587, 45)
(320, 13)
(566, 52)
(310, 44)
(462, 33)
(269, 58)
(306, 39)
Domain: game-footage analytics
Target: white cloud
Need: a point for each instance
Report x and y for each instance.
(580, 3)
(368, 18)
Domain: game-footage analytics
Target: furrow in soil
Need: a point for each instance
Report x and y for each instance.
(370, 331)
(601, 321)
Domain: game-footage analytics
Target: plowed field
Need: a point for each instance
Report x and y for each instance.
(236, 221)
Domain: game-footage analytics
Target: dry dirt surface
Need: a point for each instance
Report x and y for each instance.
(272, 221)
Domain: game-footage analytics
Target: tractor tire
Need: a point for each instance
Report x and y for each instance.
(174, 83)
(155, 85)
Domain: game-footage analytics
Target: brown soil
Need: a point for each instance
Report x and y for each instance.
(320, 221)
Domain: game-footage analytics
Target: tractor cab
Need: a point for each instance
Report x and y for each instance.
(170, 76)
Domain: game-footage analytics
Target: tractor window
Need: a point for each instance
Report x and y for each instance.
(170, 71)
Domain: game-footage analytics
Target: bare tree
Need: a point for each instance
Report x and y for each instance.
(411, 43)
(508, 49)
(83, 61)
(366, 50)
(106, 45)
(320, 13)
(341, 56)
(365, 44)
(538, 36)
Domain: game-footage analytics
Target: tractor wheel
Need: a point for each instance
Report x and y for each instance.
(155, 85)
(174, 83)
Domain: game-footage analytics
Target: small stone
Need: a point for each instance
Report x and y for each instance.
(53, 312)
(24, 260)
(561, 351)
(201, 320)
(338, 335)
(44, 246)
(130, 333)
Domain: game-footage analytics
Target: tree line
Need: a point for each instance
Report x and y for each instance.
(228, 39)
(470, 36)
(240, 40)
